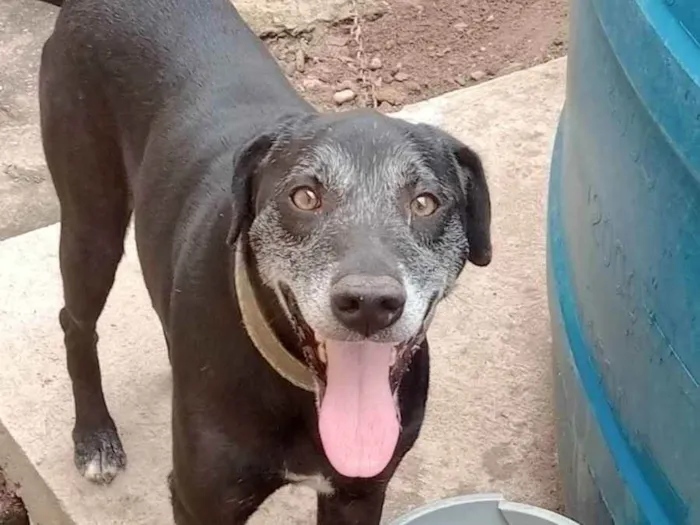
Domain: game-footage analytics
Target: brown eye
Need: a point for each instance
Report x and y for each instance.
(306, 199)
(424, 205)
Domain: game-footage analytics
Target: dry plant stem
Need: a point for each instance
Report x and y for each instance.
(361, 57)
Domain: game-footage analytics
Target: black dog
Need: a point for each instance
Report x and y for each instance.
(295, 259)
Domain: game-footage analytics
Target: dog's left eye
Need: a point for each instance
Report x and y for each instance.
(424, 205)
(306, 199)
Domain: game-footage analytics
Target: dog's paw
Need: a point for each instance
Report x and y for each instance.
(99, 456)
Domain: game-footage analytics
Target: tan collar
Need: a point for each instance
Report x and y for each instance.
(260, 332)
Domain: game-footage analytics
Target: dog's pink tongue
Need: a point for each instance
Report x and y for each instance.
(358, 422)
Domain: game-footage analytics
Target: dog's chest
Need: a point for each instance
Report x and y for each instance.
(317, 482)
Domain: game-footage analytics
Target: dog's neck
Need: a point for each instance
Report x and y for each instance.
(261, 331)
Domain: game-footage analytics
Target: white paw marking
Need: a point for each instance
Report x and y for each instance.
(314, 481)
(100, 469)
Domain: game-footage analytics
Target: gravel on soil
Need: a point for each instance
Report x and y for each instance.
(12, 511)
(417, 49)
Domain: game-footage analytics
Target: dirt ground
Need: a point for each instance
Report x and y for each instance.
(414, 50)
(418, 49)
(12, 511)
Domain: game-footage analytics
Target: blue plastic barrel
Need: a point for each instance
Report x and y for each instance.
(624, 264)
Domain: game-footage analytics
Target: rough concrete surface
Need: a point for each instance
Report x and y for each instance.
(490, 420)
(27, 198)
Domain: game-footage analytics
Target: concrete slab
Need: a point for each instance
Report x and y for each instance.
(27, 196)
(490, 419)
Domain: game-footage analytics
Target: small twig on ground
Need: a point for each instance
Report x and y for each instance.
(361, 57)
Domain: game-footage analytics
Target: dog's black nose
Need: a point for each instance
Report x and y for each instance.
(366, 303)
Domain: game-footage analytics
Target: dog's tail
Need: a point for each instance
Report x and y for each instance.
(57, 3)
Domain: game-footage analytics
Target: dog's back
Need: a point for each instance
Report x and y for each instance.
(129, 60)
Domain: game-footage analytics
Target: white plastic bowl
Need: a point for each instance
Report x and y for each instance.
(480, 509)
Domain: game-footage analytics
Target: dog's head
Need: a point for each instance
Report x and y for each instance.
(360, 223)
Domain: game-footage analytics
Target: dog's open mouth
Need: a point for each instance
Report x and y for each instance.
(357, 384)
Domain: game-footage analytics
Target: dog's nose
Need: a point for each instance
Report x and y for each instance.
(366, 303)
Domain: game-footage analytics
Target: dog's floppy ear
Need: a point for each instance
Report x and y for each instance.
(477, 213)
(478, 204)
(245, 166)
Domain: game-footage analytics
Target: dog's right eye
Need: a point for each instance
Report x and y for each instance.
(306, 199)
(424, 205)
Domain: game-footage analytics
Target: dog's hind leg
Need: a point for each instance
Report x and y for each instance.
(87, 171)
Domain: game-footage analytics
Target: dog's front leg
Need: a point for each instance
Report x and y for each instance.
(352, 507)
(205, 503)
